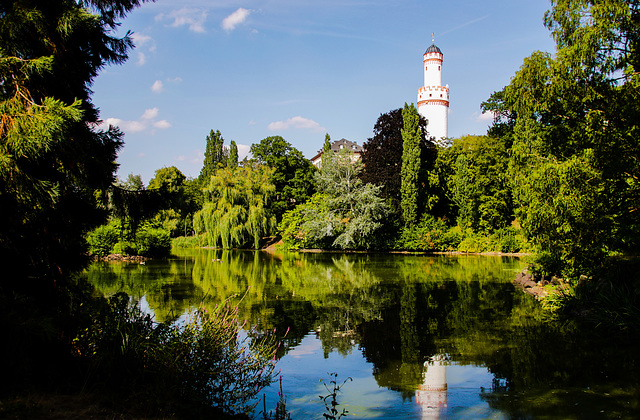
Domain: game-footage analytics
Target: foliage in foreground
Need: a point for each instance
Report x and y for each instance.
(53, 154)
(203, 362)
(610, 301)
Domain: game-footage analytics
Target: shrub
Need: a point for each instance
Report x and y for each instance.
(102, 239)
(452, 238)
(427, 235)
(153, 242)
(474, 242)
(204, 362)
(510, 239)
(125, 248)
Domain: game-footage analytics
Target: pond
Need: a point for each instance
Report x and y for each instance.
(413, 336)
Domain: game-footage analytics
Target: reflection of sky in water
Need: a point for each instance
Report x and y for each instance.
(303, 368)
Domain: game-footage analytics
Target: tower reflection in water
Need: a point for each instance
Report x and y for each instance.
(432, 394)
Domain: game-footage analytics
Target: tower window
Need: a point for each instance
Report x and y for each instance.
(438, 68)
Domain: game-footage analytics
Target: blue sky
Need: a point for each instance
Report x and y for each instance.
(300, 69)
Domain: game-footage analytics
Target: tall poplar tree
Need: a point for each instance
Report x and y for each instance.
(233, 155)
(213, 157)
(411, 135)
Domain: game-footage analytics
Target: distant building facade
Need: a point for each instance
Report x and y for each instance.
(433, 98)
(336, 146)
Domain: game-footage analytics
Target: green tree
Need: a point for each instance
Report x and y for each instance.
(292, 175)
(213, 156)
(462, 192)
(350, 212)
(233, 154)
(132, 183)
(411, 135)
(326, 146)
(52, 155)
(178, 200)
(168, 179)
(382, 158)
(472, 184)
(575, 154)
(235, 212)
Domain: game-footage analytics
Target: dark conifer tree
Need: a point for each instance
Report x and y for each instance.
(53, 156)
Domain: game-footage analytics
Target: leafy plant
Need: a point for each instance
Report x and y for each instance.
(153, 242)
(204, 362)
(102, 239)
(281, 407)
(235, 212)
(331, 399)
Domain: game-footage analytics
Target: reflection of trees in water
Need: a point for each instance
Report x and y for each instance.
(399, 310)
(162, 283)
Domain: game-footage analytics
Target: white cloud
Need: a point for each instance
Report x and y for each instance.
(110, 121)
(157, 86)
(234, 19)
(133, 126)
(150, 114)
(139, 39)
(193, 18)
(142, 59)
(485, 116)
(143, 42)
(176, 79)
(296, 122)
(147, 121)
(162, 124)
(243, 151)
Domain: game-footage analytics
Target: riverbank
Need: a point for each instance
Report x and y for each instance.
(125, 258)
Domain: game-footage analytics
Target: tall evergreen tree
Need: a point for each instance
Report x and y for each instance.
(411, 135)
(233, 155)
(53, 156)
(462, 191)
(213, 157)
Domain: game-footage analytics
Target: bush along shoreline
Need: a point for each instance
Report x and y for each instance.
(608, 301)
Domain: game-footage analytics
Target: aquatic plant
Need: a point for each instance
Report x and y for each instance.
(331, 399)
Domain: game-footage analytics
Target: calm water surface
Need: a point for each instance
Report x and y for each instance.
(421, 337)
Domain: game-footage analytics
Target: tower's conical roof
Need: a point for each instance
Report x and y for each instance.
(433, 49)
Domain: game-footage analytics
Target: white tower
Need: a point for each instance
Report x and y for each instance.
(433, 98)
(432, 394)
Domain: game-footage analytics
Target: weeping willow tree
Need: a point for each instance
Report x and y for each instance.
(235, 210)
